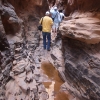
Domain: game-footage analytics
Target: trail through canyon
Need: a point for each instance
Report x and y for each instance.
(69, 71)
(35, 74)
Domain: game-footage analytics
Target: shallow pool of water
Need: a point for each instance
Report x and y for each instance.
(53, 87)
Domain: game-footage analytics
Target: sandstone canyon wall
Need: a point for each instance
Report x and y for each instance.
(19, 39)
(10, 23)
(81, 36)
(16, 18)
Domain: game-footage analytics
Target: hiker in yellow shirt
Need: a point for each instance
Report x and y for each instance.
(47, 23)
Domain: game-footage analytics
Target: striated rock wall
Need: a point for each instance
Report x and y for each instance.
(82, 26)
(82, 69)
(10, 18)
(5, 61)
(17, 40)
(81, 40)
(10, 23)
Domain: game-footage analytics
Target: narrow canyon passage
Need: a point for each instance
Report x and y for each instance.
(30, 81)
(69, 71)
(29, 78)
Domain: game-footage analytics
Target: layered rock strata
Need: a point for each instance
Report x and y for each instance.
(81, 40)
(5, 61)
(82, 68)
(9, 24)
(82, 26)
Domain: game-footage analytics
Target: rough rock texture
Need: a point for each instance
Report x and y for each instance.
(26, 78)
(27, 81)
(81, 40)
(30, 7)
(10, 18)
(5, 61)
(81, 5)
(82, 26)
(9, 24)
(82, 69)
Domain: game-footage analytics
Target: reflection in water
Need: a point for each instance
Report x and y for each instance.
(54, 86)
(61, 96)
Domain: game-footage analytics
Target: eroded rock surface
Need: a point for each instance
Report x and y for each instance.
(82, 26)
(20, 65)
(81, 40)
(26, 72)
(82, 68)
(5, 61)
(10, 18)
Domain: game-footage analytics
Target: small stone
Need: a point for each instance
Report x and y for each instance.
(12, 75)
(41, 88)
(14, 62)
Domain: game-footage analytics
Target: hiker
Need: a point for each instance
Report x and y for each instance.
(56, 18)
(47, 23)
(61, 14)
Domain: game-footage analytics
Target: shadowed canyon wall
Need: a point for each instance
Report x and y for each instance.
(16, 17)
(35, 7)
(81, 5)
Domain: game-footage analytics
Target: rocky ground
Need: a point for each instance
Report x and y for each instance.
(35, 71)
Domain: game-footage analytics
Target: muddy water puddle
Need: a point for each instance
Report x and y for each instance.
(53, 87)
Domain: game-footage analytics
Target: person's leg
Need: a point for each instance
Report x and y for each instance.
(49, 40)
(44, 39)
(57, 25)
(53, 28)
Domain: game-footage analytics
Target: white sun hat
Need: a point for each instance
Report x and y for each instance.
(55, 8)
(47, 13)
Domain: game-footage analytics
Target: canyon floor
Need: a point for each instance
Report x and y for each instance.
(37, 74)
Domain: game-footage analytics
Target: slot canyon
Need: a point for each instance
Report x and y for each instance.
(69, 71)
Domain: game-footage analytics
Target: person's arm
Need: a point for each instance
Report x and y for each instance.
(63, 16)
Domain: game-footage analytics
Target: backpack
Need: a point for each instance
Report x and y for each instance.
(40, 26)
